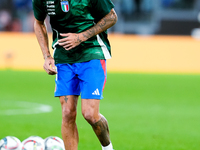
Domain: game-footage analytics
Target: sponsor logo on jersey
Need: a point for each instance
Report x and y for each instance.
(64, 5)
(51, 13)
(50, 2)
(50, 7)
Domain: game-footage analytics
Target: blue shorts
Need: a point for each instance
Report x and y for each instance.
(85, 78)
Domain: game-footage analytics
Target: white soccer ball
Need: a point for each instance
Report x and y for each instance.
(10, 143)
(33, 143)
(53, 143)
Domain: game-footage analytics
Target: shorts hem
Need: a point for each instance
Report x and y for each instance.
(58, 95)
(99, 98)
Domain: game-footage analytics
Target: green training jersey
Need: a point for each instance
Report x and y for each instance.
(75, 16)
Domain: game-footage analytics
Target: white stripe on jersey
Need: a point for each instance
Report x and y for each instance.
(104, 48)
(54, 45)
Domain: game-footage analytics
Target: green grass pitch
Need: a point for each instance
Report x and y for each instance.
(144, 111)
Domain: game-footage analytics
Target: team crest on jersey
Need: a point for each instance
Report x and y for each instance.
(64, 5)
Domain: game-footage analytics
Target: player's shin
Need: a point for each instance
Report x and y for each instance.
(102, 131)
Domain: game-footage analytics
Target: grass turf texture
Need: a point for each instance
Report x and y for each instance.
(145, 111)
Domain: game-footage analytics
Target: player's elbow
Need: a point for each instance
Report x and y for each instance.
(113, 17)
(115, 20)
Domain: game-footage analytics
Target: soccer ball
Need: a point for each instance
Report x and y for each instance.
(53, 143)
(33, 143)
(10, 143)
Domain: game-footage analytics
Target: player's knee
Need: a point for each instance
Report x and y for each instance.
(68, 116)
(89, 116)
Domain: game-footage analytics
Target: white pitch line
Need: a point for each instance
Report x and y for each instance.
(26, 108)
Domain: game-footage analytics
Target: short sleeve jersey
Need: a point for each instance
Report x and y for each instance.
(75, 16)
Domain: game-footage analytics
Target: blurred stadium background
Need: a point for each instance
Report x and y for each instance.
(152, 94)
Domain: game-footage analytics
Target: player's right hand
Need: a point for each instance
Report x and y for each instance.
(49, 66)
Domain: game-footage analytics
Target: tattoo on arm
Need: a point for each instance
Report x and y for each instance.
(106, 22)
(89, 33)
(102, 23)
(78, 40)
(66, 99)
(113, 17)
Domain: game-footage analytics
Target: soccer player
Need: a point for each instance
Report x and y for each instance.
(81, 48)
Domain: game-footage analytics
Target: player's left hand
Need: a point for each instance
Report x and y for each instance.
(70, 40)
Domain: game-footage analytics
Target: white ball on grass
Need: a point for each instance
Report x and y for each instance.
(33, 143)
(10, 143)
(53, 143)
